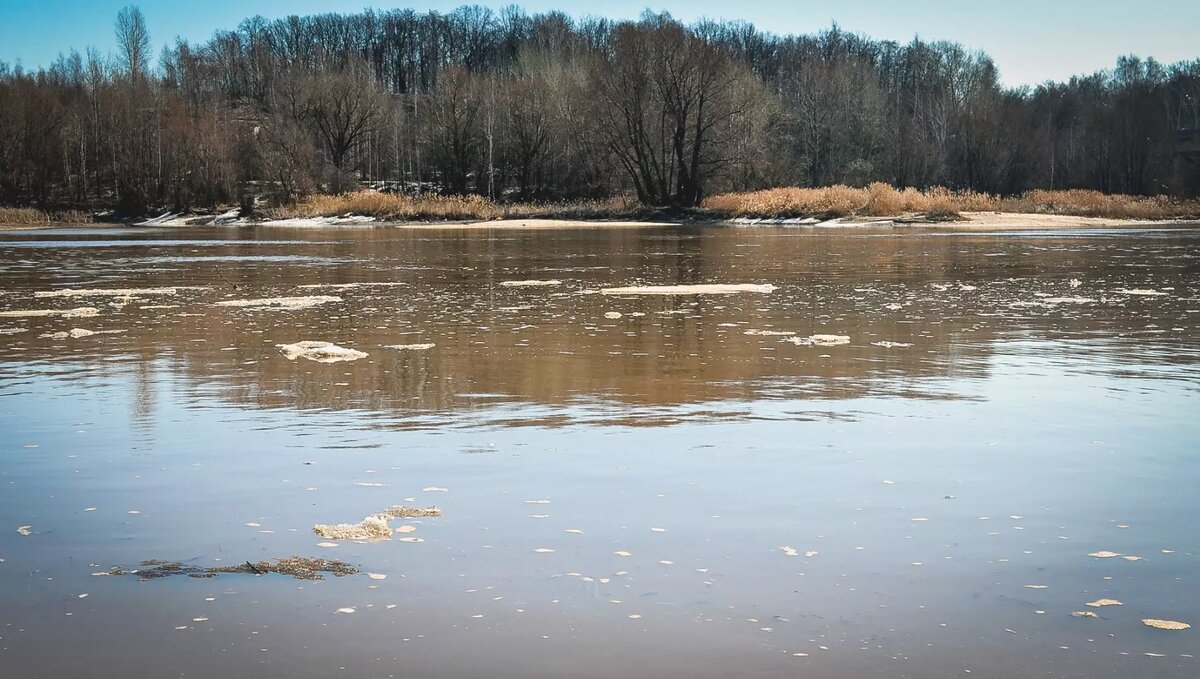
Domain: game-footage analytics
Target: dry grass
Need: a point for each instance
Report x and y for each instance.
(28, 216)
(431, 207)
(876, 200)
(882, 200)
(831, 201)
(1083, 203)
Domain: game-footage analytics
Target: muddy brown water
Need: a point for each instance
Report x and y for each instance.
(940, 499)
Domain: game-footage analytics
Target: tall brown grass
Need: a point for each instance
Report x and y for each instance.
(883, 200)
(1086, 203)
(876, 200)
(386, 206)
(28, 216)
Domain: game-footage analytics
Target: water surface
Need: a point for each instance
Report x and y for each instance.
(1007, 404)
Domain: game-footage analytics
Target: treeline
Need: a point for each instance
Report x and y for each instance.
(546, 107)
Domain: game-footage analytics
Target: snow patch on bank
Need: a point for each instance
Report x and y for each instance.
(344, 220)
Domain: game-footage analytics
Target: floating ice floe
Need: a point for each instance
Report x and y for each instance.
(1166, 624)
(701, 289)
(410, 347)
(112, 292)
(375, 526)
(819, 340)
(1068, 300)
(769, 333)
(78, 312)
(77, 333)
(530, 284)
(349, 286)
(612, 315)
(1101, 603)
(321, 352)
(1141, 292)
(285, 303)
(891, 345)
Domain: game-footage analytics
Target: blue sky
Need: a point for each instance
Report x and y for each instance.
(1030, 41)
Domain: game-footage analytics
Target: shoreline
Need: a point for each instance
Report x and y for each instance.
(970, 221)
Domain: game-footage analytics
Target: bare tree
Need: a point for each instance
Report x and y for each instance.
(453, 124)
(133, 41)
(344, 107)
(667, 103)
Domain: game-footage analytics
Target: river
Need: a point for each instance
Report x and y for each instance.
(895, 453)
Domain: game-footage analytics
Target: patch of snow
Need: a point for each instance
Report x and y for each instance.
(345, 220)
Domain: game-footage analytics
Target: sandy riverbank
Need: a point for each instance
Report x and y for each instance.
(972, 221)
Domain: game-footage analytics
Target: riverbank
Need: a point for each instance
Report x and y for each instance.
(834, 206)
(971, 221)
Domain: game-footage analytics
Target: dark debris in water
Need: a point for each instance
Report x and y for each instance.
(299, 567)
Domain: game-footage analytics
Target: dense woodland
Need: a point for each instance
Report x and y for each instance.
(547, 107)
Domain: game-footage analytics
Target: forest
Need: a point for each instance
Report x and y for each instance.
(519, 107)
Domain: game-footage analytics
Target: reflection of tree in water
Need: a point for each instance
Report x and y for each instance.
(144, 394)
(950, 297)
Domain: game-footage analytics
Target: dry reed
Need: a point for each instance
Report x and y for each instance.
(28, 216)
(433, 207)
(883, 200)
(875, 200)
